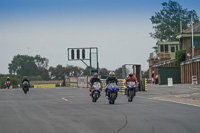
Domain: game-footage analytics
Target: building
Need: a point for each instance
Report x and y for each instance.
(167, 50)
(190, 67)
(165, 56)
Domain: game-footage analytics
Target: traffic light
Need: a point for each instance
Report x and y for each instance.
(78, 54)
(83, 53)
(72, 54)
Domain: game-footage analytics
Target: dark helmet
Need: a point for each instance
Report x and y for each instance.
(25, 77)
(131, 74)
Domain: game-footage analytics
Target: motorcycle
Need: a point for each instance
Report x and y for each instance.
(8, 84)
(131, 90)
(95, 91)
(112, 93)
(25, 87)
(4, 85)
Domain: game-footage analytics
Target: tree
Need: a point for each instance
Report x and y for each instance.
(27, 65)
(41, 62)
(104, 71)
(57, 72)
(179, 57)
(155, 49)
(60, 70)
(118, 72)
(145, 74)
(167, 21)
(44, 73)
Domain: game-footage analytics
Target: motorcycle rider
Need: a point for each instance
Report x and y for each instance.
(131, 77)
(25, 79)
(111, 79)
(94, 79)
(7, 80)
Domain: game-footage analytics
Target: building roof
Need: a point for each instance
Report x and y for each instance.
(188, 31)
(161, 43)
(162, 63)
(196, 29)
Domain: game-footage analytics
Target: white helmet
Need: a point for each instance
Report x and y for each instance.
(112, 73)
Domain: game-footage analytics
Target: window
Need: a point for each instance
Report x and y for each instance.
(197, 42)
(166, 48)
(172, 49)
(161, 48)
(176, 47)
(183, 44)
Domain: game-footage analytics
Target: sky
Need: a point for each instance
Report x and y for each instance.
(119, 28)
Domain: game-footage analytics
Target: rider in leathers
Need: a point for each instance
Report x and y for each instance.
(111, 79)
(94, 79)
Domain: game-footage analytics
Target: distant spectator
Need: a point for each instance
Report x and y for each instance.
(70, 74)
(81, 73)
(152, 77)
(156, 79)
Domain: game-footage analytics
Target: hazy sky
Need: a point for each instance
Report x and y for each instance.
(119, 28)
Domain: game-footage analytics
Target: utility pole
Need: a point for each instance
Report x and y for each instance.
(192, 46)
(192, 40)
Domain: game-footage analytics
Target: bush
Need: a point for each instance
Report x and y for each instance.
(145, 74)
(15, 80)
(179, 57)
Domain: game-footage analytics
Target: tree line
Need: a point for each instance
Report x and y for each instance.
(37, 68)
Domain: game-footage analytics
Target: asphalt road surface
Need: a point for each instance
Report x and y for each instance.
(71, 110)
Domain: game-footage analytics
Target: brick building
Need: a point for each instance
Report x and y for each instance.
(164, 58)
(190, 67)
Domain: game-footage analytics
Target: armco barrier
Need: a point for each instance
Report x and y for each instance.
(45, 86)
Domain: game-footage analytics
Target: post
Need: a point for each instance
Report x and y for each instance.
(192, 46)
(97, 60)
(170, 81)
(192, 41)
(90, 62)
(145, 84)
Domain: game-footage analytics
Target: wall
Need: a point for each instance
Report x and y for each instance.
(81, 82)
(187, 70)
(189, 49)
(169, 72)
(155, 69)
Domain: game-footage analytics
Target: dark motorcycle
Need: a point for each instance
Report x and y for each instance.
(112, 93)
(131, 90)
(25, 86)
(96, 91)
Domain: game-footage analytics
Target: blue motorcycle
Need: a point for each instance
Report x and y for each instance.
(112, 93)
(131, 90)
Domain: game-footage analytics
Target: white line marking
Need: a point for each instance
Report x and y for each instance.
(66, 100)
(174, 102)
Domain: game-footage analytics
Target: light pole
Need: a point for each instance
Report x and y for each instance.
(192, 41)
(192, 46)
